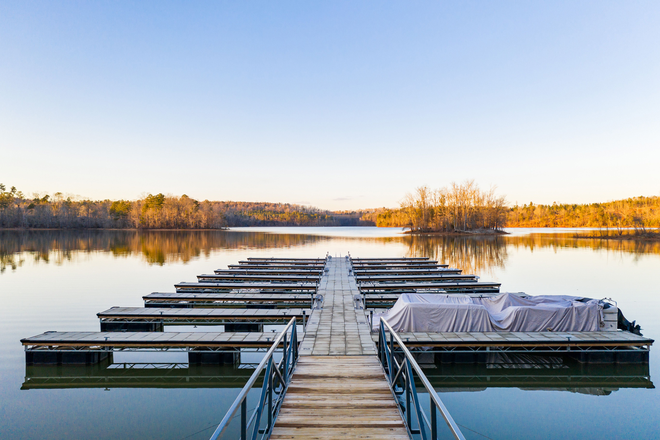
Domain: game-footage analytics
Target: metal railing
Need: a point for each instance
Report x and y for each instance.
(275, 383)
(401, 378)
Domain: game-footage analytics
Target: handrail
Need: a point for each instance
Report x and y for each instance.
(288, 361)
(404, 372)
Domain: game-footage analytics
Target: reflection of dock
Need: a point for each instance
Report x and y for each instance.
(555, 373)
(127, 375)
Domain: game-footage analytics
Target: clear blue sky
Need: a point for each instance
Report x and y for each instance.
(336, 104)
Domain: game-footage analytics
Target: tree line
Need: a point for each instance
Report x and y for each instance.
(157, 212)
(635, 212)
(457, 208)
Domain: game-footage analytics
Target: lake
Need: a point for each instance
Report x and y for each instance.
(59, 280)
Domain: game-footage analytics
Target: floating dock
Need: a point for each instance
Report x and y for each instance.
(247, 300)
(153, 319)
(340, 381)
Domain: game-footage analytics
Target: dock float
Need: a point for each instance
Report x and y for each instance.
(375, 272)
(308, 272)
(257, 278)
(448, 286)
(408, 278)
(90, 348)
(593, 347)
(210, 287)
(153, 319)
(246, 300)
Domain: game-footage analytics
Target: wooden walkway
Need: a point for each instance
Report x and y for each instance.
(339, 389)
(339, 397)
(338, 328)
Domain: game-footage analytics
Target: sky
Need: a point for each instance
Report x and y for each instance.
(339, 105)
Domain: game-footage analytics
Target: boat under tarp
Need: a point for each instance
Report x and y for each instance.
(502, 313)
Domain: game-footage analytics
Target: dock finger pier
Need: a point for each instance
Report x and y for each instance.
(340, 354)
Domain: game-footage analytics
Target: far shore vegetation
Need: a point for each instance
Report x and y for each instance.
(460, 209)
(157, 212)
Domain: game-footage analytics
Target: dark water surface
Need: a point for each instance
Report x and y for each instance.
(53, 280)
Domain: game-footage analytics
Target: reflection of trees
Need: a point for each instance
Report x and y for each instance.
(558, 241)
(156, 247)
(474, 255)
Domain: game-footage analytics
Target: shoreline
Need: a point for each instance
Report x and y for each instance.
(650, 237)
(480, 232)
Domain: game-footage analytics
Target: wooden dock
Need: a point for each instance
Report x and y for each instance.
(408, 278)
(365, 272)
(267, 271)
(211, 287)
(154, 318)
(257, 278)
(447, 286)
(245, 300)
(339, 388)
(339, 397)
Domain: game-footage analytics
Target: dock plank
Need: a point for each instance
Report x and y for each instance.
(339, 397)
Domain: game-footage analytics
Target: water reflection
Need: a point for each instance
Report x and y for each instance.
(131, 375)
(474, 255)
(558, 241)
(479, 254)
(533, 372)
(156, 247)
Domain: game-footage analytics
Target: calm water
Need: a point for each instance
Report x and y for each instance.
(60, 280)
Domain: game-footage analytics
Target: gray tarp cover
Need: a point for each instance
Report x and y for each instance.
(506, 312)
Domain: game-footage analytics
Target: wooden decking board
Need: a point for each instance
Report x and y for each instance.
(210, 287)
(257, 278)
(339, 397)
(523, 339)
(436, 285)
(339, 434)
(148, 339)
(308, 272)
(202, 314)
(384, 278)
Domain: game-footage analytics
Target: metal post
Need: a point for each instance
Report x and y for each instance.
(391, 353)
(270, 395)
(434, 423)
(407, 385)
(286, 359)
(244, 419)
